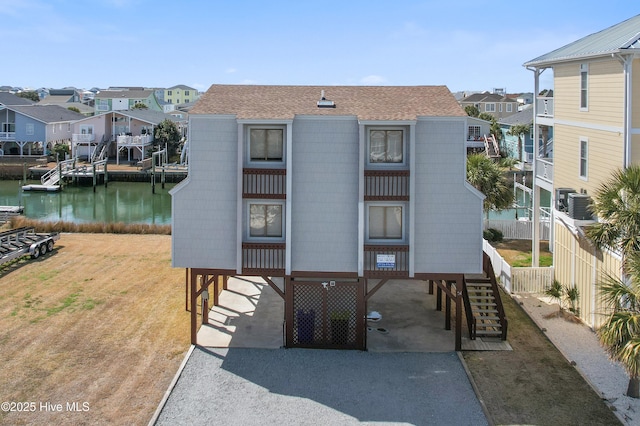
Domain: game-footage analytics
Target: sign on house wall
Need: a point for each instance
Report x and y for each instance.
(385, 261)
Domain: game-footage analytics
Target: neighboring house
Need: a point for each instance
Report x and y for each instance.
(498, 105)
(9, 99)
(34, 129)
(180, 94)
(477, 131)
(66, 99)
(519, 147)
(126, 135)
(593, 123)
(325, 188)
(125, 99)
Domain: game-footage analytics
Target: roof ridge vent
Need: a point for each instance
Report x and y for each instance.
(324, 102)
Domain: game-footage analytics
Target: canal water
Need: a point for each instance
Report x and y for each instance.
(127, 202)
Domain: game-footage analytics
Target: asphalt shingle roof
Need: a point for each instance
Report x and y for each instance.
(48, 113)
(128, 94)
(392, 103)
(9, 99)
(623, 37)
(523, 117)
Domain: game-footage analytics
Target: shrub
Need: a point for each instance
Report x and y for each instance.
(492, 235)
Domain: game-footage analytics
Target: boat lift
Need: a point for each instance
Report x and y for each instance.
(25, 241)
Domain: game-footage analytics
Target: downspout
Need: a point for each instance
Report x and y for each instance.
(627, 70)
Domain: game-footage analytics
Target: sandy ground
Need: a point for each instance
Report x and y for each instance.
(92, 333)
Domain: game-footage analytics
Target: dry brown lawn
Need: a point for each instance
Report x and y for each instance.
(100, 322)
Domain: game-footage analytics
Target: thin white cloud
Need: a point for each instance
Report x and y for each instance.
(373, 80)
(230, 70)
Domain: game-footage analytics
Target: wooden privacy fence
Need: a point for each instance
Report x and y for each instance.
(517, 229)
(518, 280)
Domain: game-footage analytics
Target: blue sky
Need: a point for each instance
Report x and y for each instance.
(465, 45)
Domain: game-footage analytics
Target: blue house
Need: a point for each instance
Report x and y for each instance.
(33, 130)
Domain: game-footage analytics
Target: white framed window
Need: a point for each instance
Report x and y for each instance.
(386, 146)
(30, 129)
(386, 222)
(499, 107)
(474, 133)
(584, 160)
(584, 87)
(266, 144)
(86, 129)
(266, 220)
(509, 107)
(490, 107)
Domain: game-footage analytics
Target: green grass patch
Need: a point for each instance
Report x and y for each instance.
(524, 261)
(67, 302)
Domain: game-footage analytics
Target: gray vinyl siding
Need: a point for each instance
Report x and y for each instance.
(448, 213)
(204, 207)
(324, 225)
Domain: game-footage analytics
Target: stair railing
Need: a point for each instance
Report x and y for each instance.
(488, 270)
(471, 319)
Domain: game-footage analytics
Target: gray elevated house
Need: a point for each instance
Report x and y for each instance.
(329, 189)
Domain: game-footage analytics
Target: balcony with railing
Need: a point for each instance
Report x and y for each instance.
(544, 169)
(386, 261)
(264, 183)
(390, 185)
(83, 138)
(129, 140)
(263, 258)
(7, 136)
(544, 106)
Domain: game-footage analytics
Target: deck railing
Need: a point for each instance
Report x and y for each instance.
(7, 136)
(263, 258)
(544, 106)
(392, 185)
(386, 261)
(264, 183)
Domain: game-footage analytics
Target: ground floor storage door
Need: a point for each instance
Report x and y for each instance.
(326, 314)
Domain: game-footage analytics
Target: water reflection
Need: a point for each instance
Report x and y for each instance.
(128, 202)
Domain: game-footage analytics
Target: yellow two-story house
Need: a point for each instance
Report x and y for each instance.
(589, 128)
(180, 94)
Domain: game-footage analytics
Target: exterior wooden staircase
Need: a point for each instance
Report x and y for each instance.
(483, 305)
(491, 146)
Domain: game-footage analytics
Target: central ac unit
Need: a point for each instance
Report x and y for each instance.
(562, 198)
(580, 206)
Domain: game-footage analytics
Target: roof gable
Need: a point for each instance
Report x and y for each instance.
(620, 38)
(391, 103)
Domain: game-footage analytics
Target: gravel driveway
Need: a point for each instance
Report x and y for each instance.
(240, 386)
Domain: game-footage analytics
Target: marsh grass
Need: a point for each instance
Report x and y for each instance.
(92, 228)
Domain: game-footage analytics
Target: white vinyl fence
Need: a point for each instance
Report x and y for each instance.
(517, 229)
(518, 280)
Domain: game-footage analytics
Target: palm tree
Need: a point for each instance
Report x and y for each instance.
(617, 205)
(520, 130)
(621, 333)
(488, 177)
